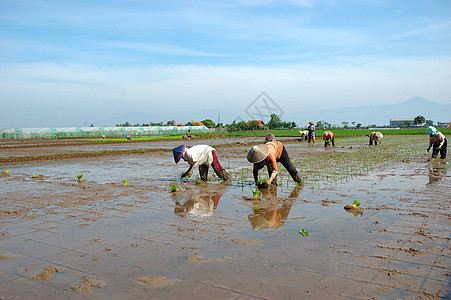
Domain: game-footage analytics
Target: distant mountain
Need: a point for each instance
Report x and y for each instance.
(375, 114)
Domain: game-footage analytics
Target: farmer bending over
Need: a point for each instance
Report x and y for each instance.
(375, 137)
(303, 134)
(328, 137)
(202, 156)
(437, 140)
(269, 154)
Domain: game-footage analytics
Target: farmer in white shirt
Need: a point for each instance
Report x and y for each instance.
(437, 140)
(201, 156)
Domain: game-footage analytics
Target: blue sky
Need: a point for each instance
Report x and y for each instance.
(72, 63)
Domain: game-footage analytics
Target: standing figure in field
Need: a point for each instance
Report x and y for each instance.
(437, 140)
(328, 137)
(202, 156)
(311, 132)
(187, 135)
(269, 154)
(375, 137)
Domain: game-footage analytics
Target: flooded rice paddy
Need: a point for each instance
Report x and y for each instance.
(101, 239)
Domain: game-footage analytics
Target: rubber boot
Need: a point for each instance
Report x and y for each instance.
(224, 175)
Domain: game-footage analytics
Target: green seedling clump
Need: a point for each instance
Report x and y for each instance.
(197, 182)
(303, 232)
(7, 172)
(37, 176)
(353, 206)
(262, 183)
(256, 194)
(80, 177)
(174, 188)
(125, 181)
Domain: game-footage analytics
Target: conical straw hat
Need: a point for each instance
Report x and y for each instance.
(269, 137)
(379, 135)
(257, 153)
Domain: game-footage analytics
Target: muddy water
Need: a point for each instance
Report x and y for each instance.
(104, 240)
(24, 147)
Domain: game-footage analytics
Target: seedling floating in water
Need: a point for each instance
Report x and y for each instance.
(256, 195)
(353, 206)
(198, 182)
(125, 181)
(80, 177)
(6, 173)
(174, 188)
(303, 232)
(40, 176)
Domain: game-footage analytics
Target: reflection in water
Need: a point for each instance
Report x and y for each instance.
(272, 212)
(437, 171)
(355, 212)
(200, 206)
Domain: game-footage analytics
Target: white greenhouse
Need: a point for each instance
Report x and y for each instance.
(69, 132)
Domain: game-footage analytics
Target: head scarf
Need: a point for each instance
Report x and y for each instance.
(178, 152)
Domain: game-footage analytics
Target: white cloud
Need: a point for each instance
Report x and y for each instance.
(188, 88)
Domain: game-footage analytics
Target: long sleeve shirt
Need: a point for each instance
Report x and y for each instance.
(311, 130)
(328, 135)
(437, 140)
(198, 155)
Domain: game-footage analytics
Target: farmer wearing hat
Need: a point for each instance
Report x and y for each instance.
(311, 132)
(375, 137)
(269, 154)
(328, 137)
(437, 140)
(202, 156)
(303, 134)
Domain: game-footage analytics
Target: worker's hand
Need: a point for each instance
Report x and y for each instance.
(439, 148)
(428, 149)
(273, 176)
(263, 185)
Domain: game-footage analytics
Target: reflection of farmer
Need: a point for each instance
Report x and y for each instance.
(311, 132)
(328, 137)
(129, 137)
(271, 215)
(269, 154)
(202, 156)
(375, 137)
(437, 141)
(200, 207)
(437, 171)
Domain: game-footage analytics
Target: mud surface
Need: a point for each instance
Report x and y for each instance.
(101, 239)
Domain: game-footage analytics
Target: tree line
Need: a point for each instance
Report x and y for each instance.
(276, 122)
